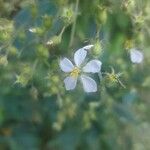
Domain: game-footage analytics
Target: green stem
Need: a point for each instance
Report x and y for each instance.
(62, 31)
(97, 32)
(34, 66)
(74, 24)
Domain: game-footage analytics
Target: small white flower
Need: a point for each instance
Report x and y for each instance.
(136, 56)
(76, 70)
(32, 30)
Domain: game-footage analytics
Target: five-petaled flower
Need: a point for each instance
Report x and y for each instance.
(136, 56)
(78, 70)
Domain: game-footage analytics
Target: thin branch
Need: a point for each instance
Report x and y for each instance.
(74, 24)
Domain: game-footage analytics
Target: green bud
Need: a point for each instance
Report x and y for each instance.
(13, 51)
(42, 51)
(128, 5)
(34, 93)
(34, 10)
(54, 90)
(112, 78)
(6, 25)
(101, 15)
(21, 80)
(55, 79)
(40, 31)
(6, 29)
(5, 36)
(3, 61)
(25, 76)
(47, 21)
(97, 48)
(61, 118)
(26, 70)
(139, 21)
(55, 40)
(67, 15)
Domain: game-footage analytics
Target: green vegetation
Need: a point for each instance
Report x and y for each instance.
(37, 112)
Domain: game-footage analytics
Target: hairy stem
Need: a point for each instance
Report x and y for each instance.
(74, 24)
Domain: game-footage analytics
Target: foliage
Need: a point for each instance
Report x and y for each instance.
(36, 112)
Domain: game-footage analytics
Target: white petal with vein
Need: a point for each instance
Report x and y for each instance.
(70, 83)
(87, 47)
(66, 65)
(136, 56)
(79, 56)
(89, 84)
(93, 66)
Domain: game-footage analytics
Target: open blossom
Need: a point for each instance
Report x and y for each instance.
(77, 71)
(136, 56)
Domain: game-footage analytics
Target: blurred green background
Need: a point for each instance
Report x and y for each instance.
(36, 112)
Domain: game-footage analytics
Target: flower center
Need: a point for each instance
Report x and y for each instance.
(75, 72)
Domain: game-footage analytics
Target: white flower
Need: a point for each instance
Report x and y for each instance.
(76, 70)
(32, 30)
(136, 56)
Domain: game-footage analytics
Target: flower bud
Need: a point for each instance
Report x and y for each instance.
(21, 79)
(3, 61)
(40, 31)
(34, 10)
(4, 36)
(67, 15)
(25, 75)
(55, 40)
(101, 15)
(34, 93)
(13, 51)
(42, 51)
(6, 29)
(97, 48)
(47, 21)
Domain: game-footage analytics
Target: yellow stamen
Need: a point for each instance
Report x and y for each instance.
(128, 44)
(75, 72)
(112, 77)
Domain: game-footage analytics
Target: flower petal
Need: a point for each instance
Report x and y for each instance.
(93, 66)
(87, 47)
(89, 84)
(136, 56)
(79, 56)
(70, 83)
(66, 65)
